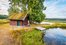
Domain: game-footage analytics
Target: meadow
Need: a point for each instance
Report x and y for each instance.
(28, 36)
(55, 20)
(4, 21)
(21, 36)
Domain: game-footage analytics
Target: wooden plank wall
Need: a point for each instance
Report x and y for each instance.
(25, 22)
(13, 23)
(21, 23)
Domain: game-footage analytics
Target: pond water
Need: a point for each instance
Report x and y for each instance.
(55, 36)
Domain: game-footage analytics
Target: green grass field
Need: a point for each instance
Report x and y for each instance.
(55, 20)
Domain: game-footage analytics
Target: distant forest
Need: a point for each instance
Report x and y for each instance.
(3, 16)
(55, 18)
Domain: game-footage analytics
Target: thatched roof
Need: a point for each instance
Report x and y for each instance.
(18, 16)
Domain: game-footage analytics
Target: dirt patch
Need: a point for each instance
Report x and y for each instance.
(6, 38)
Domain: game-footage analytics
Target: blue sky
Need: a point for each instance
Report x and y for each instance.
(55, 8)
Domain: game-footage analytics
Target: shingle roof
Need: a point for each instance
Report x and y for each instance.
(18, 16)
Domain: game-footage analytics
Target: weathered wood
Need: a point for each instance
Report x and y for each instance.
(13, 22)
(40, 28)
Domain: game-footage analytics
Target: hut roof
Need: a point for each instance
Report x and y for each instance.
(18, 16)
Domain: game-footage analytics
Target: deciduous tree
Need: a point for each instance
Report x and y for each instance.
(33, 7)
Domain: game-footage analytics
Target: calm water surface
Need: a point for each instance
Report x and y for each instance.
(55, 36)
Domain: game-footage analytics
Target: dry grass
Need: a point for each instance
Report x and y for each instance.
(4, 25)
(6, 37)
(7, 26)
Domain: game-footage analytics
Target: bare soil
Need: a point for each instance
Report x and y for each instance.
(6, 38)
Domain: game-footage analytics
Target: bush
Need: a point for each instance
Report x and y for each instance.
(33, 37)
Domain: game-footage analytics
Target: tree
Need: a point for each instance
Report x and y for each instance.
(33, 7)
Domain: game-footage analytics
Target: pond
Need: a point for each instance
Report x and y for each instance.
(55, 36)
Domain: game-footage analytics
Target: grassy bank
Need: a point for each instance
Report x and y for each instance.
(55, 25)
(33, 37)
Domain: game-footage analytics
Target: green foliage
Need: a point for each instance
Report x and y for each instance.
(33, 7)
(13, 9)
(28, 37)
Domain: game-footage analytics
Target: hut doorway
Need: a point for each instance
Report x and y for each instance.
(18, 23)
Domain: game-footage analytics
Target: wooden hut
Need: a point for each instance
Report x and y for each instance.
(19, 19)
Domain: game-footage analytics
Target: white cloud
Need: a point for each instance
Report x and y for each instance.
(54, 10)
(4, 5)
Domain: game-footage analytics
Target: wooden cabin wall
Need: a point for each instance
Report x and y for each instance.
(25, 22)
(13, 22)
(21, 23)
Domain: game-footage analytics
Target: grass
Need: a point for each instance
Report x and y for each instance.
(5, 24)
(33, 37)
(47, 26)
(3, 21)
(23, 37)
(55, 25)
(55, 20)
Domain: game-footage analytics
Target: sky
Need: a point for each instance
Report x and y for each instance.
(55, 8)
(4, 5)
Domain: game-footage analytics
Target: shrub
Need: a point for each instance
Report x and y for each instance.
(33, 37)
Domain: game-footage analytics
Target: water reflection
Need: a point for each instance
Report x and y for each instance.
(55, 36)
